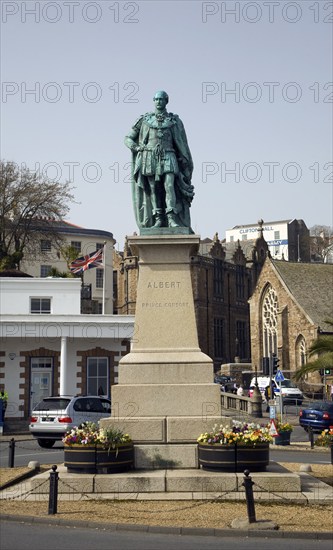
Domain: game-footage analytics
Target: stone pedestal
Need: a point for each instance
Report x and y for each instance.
(165, 392)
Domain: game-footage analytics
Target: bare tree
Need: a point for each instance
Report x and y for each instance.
(31, 208)
(320, 238)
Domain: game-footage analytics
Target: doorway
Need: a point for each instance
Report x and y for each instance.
(41, 371)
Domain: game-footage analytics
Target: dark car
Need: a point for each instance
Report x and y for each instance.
(318, 416)
(226, 382)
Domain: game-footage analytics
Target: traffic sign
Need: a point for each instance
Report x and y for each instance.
(279, 376)
(273, 430)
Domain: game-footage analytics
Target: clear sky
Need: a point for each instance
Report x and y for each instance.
(252, 82)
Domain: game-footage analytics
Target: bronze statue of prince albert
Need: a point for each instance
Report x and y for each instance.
(161, 169)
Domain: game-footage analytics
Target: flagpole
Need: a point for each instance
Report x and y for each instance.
(104, 270)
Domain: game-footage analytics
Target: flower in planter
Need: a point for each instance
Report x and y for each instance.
(242, 433)
(283, 427)
(89, 434)
(325, 439)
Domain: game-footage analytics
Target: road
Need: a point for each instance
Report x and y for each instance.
(36, 536)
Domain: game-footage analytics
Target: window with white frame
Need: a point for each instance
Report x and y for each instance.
(45, 245)
(41, 362)
(45, 270)
(77, 246)
(40, 305)
(99, 278)
(98, 376)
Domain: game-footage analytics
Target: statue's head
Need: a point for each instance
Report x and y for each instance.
(161, 99)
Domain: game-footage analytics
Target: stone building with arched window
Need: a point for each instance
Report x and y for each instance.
(288, 310)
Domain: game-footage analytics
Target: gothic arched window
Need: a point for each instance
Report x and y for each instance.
(300, 352)
(270, 321)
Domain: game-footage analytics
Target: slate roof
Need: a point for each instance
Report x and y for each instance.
(312, 287)
(264, 223)
(71, 229)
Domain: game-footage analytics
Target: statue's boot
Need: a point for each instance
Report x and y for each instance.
(158, 219)
(171, 220)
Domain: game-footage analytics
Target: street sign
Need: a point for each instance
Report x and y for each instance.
(279, 376)
(272, 430)
(272, 411)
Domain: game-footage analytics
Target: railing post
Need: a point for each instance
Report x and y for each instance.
(53, 496)
(11, 453)
(248, 485)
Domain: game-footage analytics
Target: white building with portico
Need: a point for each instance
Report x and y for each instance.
(47, 347)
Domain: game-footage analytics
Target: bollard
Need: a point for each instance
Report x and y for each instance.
(53, 496)
(256, 400)
(248, 484)
(11, 454)
(311, 437)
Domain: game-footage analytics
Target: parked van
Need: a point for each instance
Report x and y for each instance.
(290, 392)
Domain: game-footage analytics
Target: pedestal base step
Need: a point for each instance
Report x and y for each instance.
(196, 484)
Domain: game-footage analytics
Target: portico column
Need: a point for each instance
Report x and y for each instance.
(63, 366)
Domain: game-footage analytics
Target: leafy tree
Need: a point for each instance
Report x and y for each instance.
(31, 208)
(69, 253)
(322, 347)
(54, 272)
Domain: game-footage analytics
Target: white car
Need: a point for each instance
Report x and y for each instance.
(54, 416)
(289, 391)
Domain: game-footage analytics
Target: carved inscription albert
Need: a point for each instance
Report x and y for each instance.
(163, 284)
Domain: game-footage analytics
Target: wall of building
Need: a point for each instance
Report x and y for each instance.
(15, 294)
(292, 322)
(64, 335)
(32, 265)
(15, 373)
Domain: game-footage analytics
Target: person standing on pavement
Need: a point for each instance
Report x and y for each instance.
(267, 397)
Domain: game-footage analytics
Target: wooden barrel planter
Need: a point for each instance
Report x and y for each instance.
(282, 439)
(94, 459)
(115, 460)
(233, 458)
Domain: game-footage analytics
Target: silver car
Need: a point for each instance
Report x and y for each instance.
(54, 416)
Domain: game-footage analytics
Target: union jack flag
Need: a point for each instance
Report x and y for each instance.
(95, 259)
